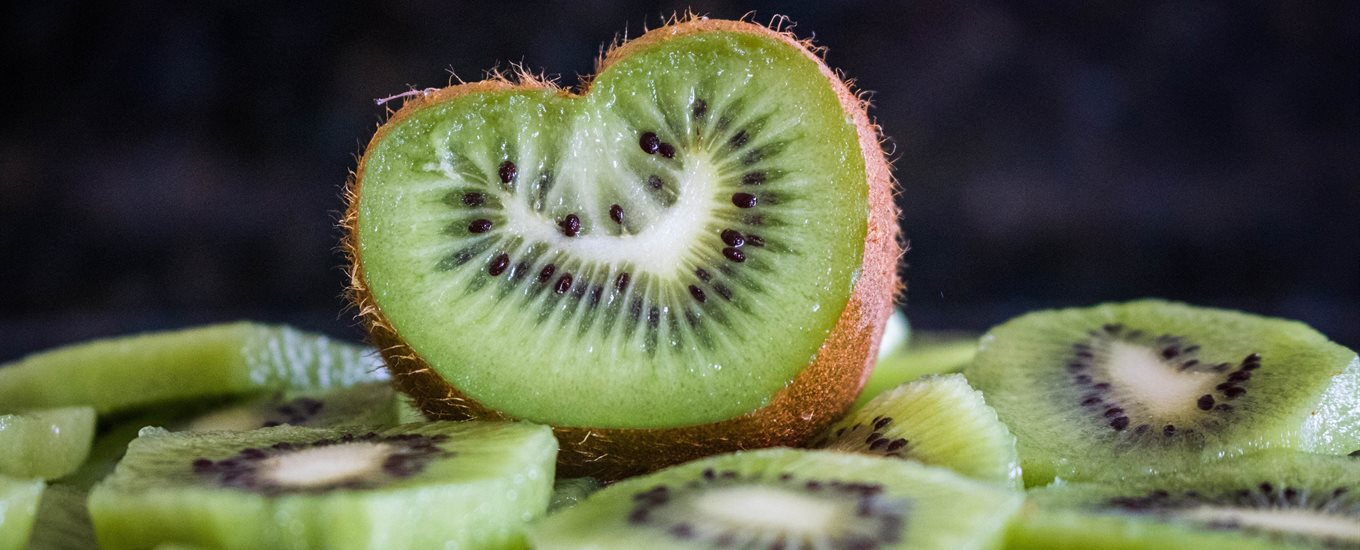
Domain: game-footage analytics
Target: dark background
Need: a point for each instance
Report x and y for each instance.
(164, 164)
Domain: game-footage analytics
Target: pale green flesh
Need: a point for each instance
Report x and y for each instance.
(18, 508)
(935, 420)
(498, 478)
(756, 498)
(1221, 505)
(1305, 394)
(47, 443)
(129, 372)
(649, 354)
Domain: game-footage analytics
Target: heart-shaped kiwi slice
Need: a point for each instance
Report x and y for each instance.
(694, 253)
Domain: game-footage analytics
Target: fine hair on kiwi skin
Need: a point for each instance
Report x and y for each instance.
(831, 381)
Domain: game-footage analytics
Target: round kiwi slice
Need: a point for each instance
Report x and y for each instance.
(128, 372)
(1276, 499)
(786, 498)
(46, 443)
(694, 253)
(937, 420)
(1148, 386)
(430, 485)
(370, 404)
(18, 508)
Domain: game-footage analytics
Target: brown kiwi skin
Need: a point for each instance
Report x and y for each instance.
(815, 398)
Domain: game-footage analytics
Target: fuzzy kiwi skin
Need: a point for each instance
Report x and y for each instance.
(815, 398)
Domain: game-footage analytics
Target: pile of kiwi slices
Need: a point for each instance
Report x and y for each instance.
(657, 312)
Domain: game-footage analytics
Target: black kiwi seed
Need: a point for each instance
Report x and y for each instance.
(474, 198)
(700, 109)
(571, 226)
(616, 213)
(734, 254)
(655, 181)
(753, 178)
(563, 284)
(498, 264)
(733, 238)
(479, 226)
(546, 272)
(508, 172)
(702, 274)
(1120, 423)
(722, 290)
(754, 240)
(697, 293)
(739, 139)
(743, 200)
(621, 282)
(667, 150)
(1205, 402)
(649, 143)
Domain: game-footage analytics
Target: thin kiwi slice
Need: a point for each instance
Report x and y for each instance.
(369, 404)
(704, 233)
(46, 443)
(429, 485)
(18, 507)
(127, 372)
(936, 420)
(924, 354)
(1277, 499)
(1149, 386)
(785, 498)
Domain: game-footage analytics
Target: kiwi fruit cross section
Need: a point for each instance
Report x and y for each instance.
(1149, 386)
(709, 218)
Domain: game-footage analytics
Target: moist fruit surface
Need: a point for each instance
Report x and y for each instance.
(696, 253)
(1150, 386)
(472, 484)
(784, 498)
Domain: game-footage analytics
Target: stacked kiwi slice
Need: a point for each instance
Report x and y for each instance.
(1152, 386)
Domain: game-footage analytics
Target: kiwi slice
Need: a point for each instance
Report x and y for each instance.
(46, 443)
(1277, 499)
(786, 498)
(924, 354)
(1149, 386)
(18, 507)
(429, 485)
(704, 233)
(127, 372)
(937, 420)
(369, 404)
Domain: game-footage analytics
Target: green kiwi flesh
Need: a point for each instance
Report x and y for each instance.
(1149, 386)
(1275, 499)
(45, 443)
(128, 372)
(925, 353)
(670, 248)
(18, 508)
(786, 498)
(938, 420)
(367, 404)
(429, 485)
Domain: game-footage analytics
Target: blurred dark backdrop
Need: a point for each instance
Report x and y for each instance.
(165, 163)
